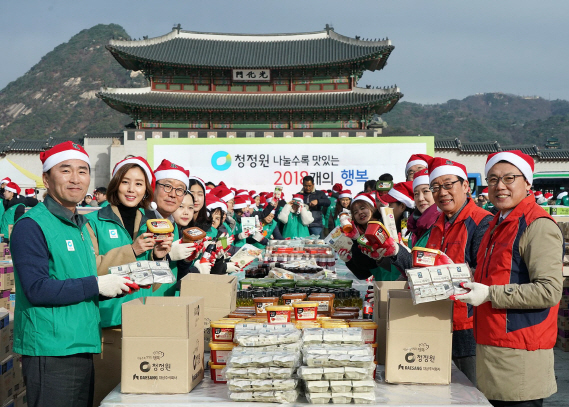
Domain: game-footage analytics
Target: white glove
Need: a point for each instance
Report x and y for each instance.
(232, 267)
(344, 255)
(479, 294)
(244, 235)
(111, 285)
(181, 250)
(258, 237)
(204, 268)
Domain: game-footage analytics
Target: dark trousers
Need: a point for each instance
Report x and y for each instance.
(467, 365)
(316, 230)
(62, 381)
(528, 403)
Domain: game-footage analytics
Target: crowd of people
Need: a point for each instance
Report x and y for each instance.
(504, 328)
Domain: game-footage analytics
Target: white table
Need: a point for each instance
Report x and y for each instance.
(460, 392)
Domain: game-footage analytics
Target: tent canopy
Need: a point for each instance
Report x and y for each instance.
(19, 175)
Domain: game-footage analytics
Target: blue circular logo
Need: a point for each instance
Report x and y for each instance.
(224, 165)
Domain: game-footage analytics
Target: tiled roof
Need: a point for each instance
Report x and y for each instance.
(480, 147)
(532, 150)
(26, 145)
(125, 100)
(195, 49)
(447, 144)
(554, 154)
(103, 135)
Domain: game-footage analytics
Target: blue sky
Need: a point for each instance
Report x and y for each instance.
(443, 49)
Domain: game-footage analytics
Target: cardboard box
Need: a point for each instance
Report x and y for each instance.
(381, 340)
(5, 299)
(380, 289)
(6, 277)
(9, 403)
(563, 323)
(20, 400)
(162, 345)
(563, 343)
(6, 378)
(419, 340)
(6, 340)
(219, 293)
(18, 373)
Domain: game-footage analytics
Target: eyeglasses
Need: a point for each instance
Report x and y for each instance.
(168, 188)
(447, 185)
(506, 179)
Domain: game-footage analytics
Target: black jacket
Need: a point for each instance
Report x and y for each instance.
(323, 203)
(20, 210)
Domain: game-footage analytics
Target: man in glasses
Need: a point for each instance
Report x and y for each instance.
(457, 232)
(517, 290)
(172, 182)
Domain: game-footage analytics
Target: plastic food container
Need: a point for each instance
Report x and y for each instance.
(235, 315)
(307, 324)
(423, 257)
(245, 310)
(290, 299)
(369, 330)
(305, 311)
(336, 324)
(347, 309)
(220, 352)
(376, 233)
(193, 235)
(161, 228)
(345, 315)
(223, 331)
(278, 314)
(325, 303)
(262, 302)
(217, 373)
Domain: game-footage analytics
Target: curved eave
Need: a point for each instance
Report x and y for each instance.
(138, 63)
(165, 101)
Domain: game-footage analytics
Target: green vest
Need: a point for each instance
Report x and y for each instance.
(212, 232)
(269, 229)
(238, 229)
(2, 210)
(110, 233)
(381, 274)
(294, 227)
(59, 330)
(329, 211)
(422, 242)
(104, 204)
(8, 219)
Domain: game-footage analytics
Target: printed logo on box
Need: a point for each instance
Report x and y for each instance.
(70, 247)
(113, 234)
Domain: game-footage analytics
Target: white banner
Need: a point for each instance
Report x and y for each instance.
(260, 165)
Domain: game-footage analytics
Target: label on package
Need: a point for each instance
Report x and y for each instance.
(439, 274)
(223, 334)
(425, 258)
(219, 375)
(419, 276)
(279, 317)
(368, 335)
(305, 313)
(261, 307)
(222, 356)
(290, 301)
(323, 306)
(459, 272)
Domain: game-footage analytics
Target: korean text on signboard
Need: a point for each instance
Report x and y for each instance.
(251, 75)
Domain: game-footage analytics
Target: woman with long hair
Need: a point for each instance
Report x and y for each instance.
(425, 213)
(343, 203)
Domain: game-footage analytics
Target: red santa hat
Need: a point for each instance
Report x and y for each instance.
(262, 201)
(5, 180)
(169, 170)
(253, 194)
(241, 192)
(212, 202)
(401, 192)
(222, 184)
(269, 197)
(30, 192)
(198, 179)
(484, 192)
(345, 194)
(538, 194)
(142, 163)
(439, 167)
(67, 150)
(298, 198)
(337, 188)
(548, 195)
(208, 188)
(223, 193)
(421, 178)
(560, 196)
(515, 157)
(366, 197)
(13, 187)
(240, 202)
(416, 159)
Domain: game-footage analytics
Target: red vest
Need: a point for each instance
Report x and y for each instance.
(455, 242)
(500, 263)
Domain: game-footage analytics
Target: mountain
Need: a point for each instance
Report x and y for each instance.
(56, 97)
(509, 119)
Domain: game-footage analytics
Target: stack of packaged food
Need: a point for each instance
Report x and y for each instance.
(263, 366)
(337, 366)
